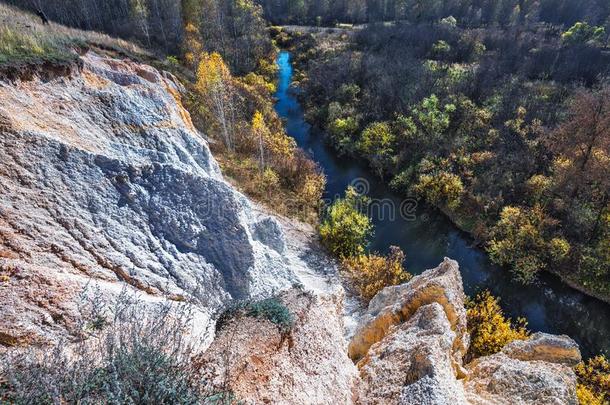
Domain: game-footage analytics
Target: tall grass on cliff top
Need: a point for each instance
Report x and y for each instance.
(25, 40)
(126, 352)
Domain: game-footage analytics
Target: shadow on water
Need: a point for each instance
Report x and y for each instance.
(427, 236)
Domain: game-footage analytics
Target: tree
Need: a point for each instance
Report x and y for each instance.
(582, 147)
(433, 119)
(520, 239)
(489, 329)
(214, 84)
(581, 32)
(440, 188)
(139, 11)
(345, 230)
(377, 144)
(261, 132)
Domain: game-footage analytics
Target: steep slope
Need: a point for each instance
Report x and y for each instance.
(104, 180)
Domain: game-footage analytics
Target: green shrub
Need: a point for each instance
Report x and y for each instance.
(271, 309)
(345, 230)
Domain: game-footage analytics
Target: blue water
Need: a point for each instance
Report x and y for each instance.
(427, 237)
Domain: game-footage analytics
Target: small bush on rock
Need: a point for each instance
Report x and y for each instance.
(370, 273)
(489, 329)
(271, 309)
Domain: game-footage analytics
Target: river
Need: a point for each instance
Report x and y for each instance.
(426, 236)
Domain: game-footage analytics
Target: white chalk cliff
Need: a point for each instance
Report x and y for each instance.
(104, 181)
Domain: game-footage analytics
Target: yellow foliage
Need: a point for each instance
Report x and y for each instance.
(587, 397)
(259, 83)
(593, 381)
(212, 72)
(192, 45)
(489, 329)
(313, 187)
(277, 144)
(370, 273)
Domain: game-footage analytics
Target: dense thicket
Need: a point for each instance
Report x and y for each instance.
(507, 130)
(467, 12)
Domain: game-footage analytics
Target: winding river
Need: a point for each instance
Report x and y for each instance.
(426, 236)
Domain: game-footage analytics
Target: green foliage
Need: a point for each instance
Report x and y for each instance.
(520, 241)
(449, 21)
(370, 273)
(489, 329)
(18, 47)
(441, 48)
(582, 32)
(345, 230)
(377, 144)
(342, 132)
(271, 309)
(172, 61)
(433, 118)
(440, 188)
(593, 381)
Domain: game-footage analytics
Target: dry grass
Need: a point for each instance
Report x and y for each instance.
(25, 40)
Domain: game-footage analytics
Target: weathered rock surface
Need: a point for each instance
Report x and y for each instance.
(395, 305)
(411, 341)
(104, 179)
(308, 365)
(413, 363)
(535, 371)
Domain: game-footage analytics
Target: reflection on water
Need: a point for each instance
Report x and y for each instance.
(549, 305)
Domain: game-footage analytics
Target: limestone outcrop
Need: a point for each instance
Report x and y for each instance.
(411, 341)
(535, 371)
(104, 180)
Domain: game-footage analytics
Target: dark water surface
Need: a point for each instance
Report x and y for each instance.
(427, 237)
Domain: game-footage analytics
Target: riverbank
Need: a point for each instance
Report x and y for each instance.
(470, 188)
(549, 305)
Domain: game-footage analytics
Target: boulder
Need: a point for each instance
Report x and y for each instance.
(533, 371)
(413, 364)
(395, 305)
(261, 363)
(410, 343)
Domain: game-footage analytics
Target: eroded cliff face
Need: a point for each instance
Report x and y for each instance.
(104, 180)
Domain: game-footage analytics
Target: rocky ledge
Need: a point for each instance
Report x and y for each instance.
(408, 349)
(412, 339)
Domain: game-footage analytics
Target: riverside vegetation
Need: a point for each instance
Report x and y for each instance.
(487, 112)
(530, 214)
